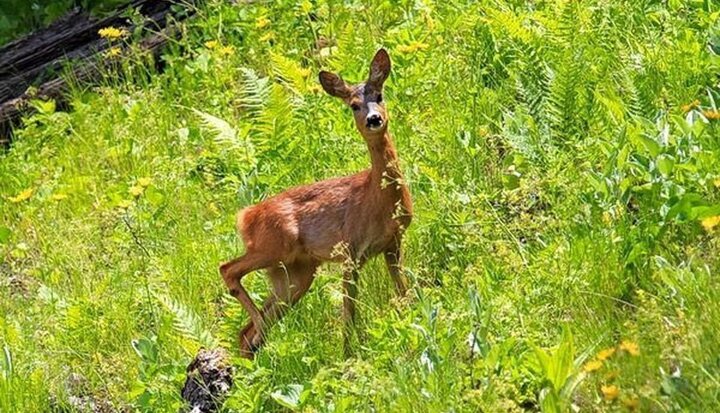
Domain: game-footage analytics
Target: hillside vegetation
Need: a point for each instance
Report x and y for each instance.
(18, 17)
(563, 156)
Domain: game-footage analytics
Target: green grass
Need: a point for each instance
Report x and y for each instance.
(559, 180)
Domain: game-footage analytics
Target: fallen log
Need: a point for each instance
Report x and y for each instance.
(39, 58)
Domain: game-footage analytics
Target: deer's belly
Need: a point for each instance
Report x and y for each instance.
(338, 242)
(322, 236)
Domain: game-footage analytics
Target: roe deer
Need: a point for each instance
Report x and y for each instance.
(349, 219)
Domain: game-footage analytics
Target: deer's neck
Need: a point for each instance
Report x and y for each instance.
(385, 170)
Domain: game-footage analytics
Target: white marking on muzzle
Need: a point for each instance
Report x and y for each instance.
(373, 110)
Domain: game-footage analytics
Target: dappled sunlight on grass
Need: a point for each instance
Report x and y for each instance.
(563, 160)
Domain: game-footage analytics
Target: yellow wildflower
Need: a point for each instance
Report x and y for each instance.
(690, 106)
(607, 217)
(211, 44)
(136, 190)
(124, 204)
(610, 392)
(711, 114)
(710, 222)
(631, 347)
(226, 50)
(716, 182)
(262, 22)
(22, 196)
(304, 72)
(111, 33)
(267, 36)
(113, 52)
(412, 47)
(306, 6)
(58, 197)
(632, 403)
(144, 182)
(591, 366)
(611, 375)
(605, 354)
(429, 21)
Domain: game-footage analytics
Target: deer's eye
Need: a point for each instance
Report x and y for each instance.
(355, 107)
(379, 99)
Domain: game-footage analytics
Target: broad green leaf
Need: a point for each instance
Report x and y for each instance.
(650, 145)
(665, 164)
(682, 210)
(7, 362)
(639, 250)
(564, 358)
(511, 180)
(288, 396)
(145, 349)
(550, 402)
(700, 212)
(154, 196)
(5, 233)
(46, 107)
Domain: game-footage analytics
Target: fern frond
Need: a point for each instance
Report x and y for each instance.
(254, 91)
(234, 319)
(289, 73)
(186, 322)
(277, 115)
(535, 76)
(510, 23)
(225, 135)
(565, 103)
(228, 138)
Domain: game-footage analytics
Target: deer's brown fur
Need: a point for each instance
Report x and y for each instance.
(348, 219)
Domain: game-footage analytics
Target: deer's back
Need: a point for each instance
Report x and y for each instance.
(305, 220)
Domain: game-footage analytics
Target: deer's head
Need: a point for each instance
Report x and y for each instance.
(365, 99)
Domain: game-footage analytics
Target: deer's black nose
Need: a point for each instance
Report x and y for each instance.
(374, 121)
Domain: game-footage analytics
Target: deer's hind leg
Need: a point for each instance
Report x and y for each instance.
(289, 283)
(233, 272)
(351, 276)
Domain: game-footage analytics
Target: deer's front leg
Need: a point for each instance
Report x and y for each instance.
(350, 278)
(393, 259)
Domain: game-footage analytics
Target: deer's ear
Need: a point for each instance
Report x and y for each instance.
(334, 85)
(379, 69)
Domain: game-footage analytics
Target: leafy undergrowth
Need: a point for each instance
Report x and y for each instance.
(565, 165)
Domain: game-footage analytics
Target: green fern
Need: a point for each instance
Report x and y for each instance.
(277, 115)
(254, 91)
(225, 135)
(289, 73)
(186, 322)
(533, 78)
(234, 319)
(228, 138)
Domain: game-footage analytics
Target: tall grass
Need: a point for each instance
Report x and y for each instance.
(563, 157)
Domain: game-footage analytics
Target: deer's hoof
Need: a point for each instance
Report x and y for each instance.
(247, 354)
